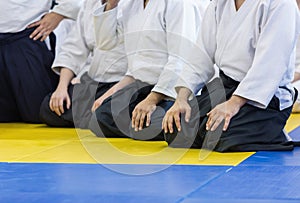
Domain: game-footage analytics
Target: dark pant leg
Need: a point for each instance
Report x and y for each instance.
(28, 65)
(84, 96)
(255, 129)
(50, 118)
(8, 105)
(153, 132)
(251, 129)
(193, 133)
(114, 115)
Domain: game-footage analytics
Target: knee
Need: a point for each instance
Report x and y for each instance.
(45, 110)
(182, 139)
(94, 126)
(50, 118)
(148, 134)
(101, 122)
(104, 115)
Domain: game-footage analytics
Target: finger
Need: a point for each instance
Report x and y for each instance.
(56, 108)
(68, 100)
(61, 106)
(51, 104)
(187, 115)
(209, 122)
(148, 119)
(134, 114)
(44, 36)
(35, 32)
(39, 35)
(211, 115)
(34, 24)
(226, 123)
(170, 124)
(94, 107)
(142, 119)
(165, 124)
(217, 123)
(137, 121)
(177, 121)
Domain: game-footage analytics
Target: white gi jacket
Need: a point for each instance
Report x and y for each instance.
(16, 15)
(79, 53)
(254, 45)
(156, 38)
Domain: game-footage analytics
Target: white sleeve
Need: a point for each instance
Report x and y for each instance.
(298, 56)
(68, 8)
(201, 56)
(274, 49)
(74, 51)
(182, 32)
(108, 30)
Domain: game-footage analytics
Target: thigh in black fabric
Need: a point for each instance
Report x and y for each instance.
(30, 76)
(86, 93)
(50, 118)
(186, 137)
(8, 106)
(254, 129)
(82, 101)
(194, 133)
(114, 115)
(153, 132)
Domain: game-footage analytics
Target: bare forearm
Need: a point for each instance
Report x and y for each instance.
(66, 75)
(237, 100)
(58, 17)
(183, 94)
(155, 97)
(122, 83)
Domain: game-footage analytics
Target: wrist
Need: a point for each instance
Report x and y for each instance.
(237, 100)
(62, 86)
(183, 94)
(155, 97)
(57, 16)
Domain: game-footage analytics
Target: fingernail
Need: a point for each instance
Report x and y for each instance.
(179, 129)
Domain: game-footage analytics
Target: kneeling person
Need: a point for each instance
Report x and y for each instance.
(79, 54)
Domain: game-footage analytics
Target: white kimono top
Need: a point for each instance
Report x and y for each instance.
(79, 53)
(296, 84)
(298, 56)
(156, 37)
(254, 45)
(16, 15)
